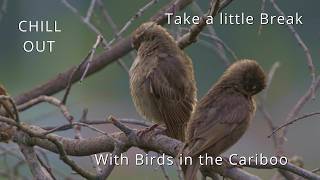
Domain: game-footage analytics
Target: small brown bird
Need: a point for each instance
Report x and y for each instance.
(223, 114)
(6, 131)
(162, 80)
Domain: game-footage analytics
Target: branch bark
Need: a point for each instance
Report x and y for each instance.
(153, 142)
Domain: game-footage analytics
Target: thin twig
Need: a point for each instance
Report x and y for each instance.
(3, 100)
(91, 54)
(118, 50)
(97, 122)
(72, 75)
(223, 44)
(51, 100)
(83, 19)
(133, 18)
(93, 29)
(72, 164)
(3, 9)
(293, 121)
(316, 170)
(118, 148)
(262, 10)
(303, 46)
(218, 43)
(165, 173)
(267, 116)
(37, 170)
(115, 29)
(46, 166)
(301, 102)
(294, 111)
(289, 167)
(196, 29)
(60, 148)
(121, 126)
(59, 128)
(271, 73)
(178, 168)
(126, 121)
(90, 10)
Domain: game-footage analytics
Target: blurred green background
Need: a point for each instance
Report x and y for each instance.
(107, 92)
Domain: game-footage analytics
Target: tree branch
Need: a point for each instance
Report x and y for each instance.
(119, 49)
(31, 135)
(38, 172)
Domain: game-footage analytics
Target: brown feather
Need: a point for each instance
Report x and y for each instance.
(162, 80)
(224, 113)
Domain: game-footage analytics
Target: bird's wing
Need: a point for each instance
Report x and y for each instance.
(165, 83)
(174, 92)
(219, 120)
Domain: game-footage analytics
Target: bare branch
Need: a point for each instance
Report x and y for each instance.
(195, 29)
(301, 102)
(90, 10)
(51, 100)
(114, 27)
(3, 101)
(118, 50)
(132, 19)
(3, 9)
(46, 166)
(91, 54)
(262, 10)
(121, 126)
(35, 167)
(179, 170)
(154, 142)
(288, 167)
(83, 19)
(118, 149)
(218, 43)
(293, 121)
(316, 170)
(45, 163)
(71, 79)
(303, 46)
(94, 29)
(165, 173)
(267, 116)
(97, 122)
(271, 73)
(223, 44)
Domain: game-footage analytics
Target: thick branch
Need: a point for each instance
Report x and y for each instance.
(154, 142)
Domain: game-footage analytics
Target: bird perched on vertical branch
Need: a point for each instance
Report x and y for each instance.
(6, 131)
(162, 80)
(223, 115)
